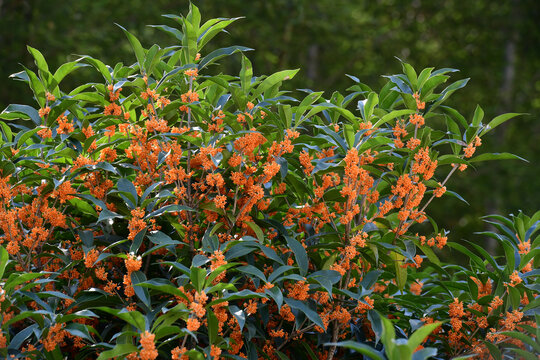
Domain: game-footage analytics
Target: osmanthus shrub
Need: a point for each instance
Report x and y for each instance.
(167, 214)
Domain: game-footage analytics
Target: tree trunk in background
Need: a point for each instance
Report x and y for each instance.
(313, 60)
(507, 86)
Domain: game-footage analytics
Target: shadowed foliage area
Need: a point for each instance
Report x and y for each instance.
(497, 44)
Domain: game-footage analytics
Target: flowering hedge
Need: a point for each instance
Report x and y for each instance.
(165, 213)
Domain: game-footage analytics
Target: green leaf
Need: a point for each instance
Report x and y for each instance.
(257, 230)
(209, 32)
(170, 30)
(401, 86)
(400, 350)
(37, 86)
(240, 248)
(172, 72)
(276, 294)
(136, 45)
(83, 314)
(528, 257)
(148, 190)
(99, 65)
(317, 108)
(134, 318)
(424, 354)
(163, 286)
(277, 272)
(168, 318)
(326, 278)
(23, 136)
(514, 297)
(23, 111)
(137, 240)
(430, 254)
(214, 274)
(401, 272)
(4, 258)
(431, 83)
(456, 116)
(411, 74)
(349, 133)
(194, 16)
(107, 215)
(66, 69)
(160, 238)
(252, 270)
(212, 326)
(304, 308)
(21, 336)
(449, 90)
(126, 186)
(366, 106)
(44, 72)
(493, 350)
(418, 337)
(496, 156)
(239, 314)
(189, 42)
(8, 134)
(498, 120)
(246, 73)
(273, 80)
(392, 115)
(376, 324)
(152, 56)
(197, 276)
(79, 330)
(83, 206)
(524, 338)
(388, 334)
(299, 253)
(360, 348)
(118, 350)
(142, 293)
(282, 356)
(424, 75)
(525, 354)
(95, 201)
(312, 355)
(475, 258)
(39, 59)
(166, 209)
(239, 295)
(56, 294)
(219, 53)
(16, 279)
(478, 116)
(511, 254)
(270, 253)
(306, 102)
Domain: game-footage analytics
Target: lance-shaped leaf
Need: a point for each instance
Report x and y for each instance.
(219, 53)
(303, 307)
(136, 45)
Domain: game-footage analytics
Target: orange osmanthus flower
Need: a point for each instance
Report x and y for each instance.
(149, 351)
(193, 324)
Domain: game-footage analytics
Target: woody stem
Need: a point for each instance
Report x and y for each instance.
(442, 184)
(335, 336)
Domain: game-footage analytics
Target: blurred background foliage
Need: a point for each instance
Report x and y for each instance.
(495, 43)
